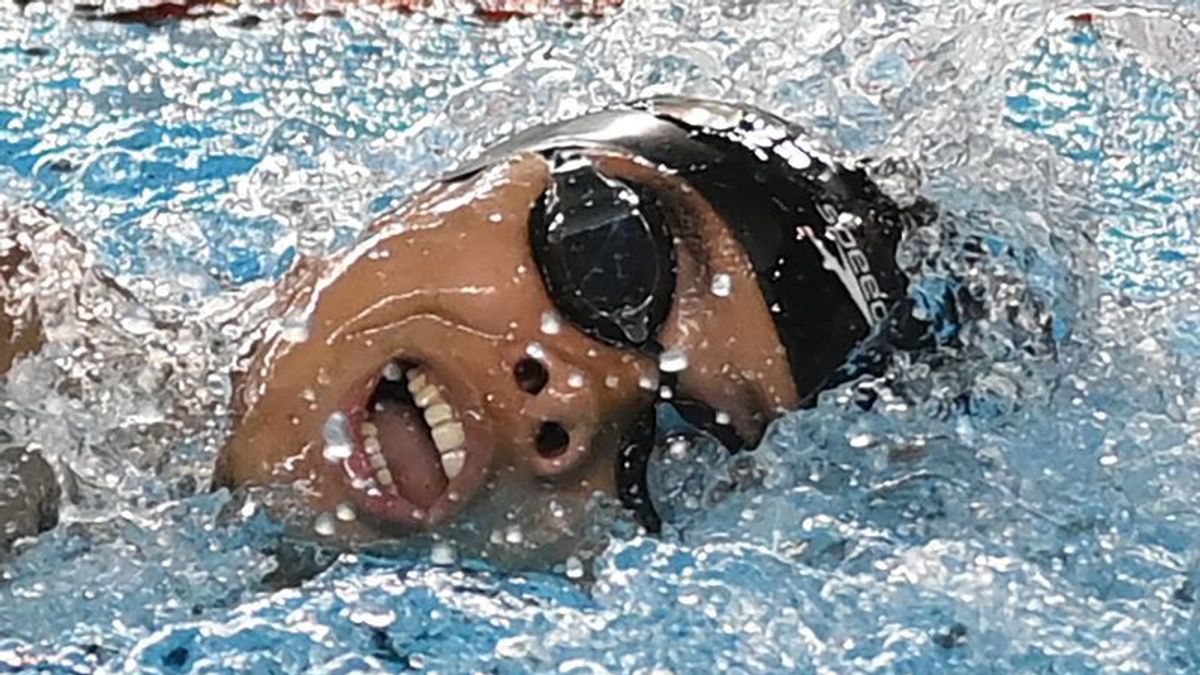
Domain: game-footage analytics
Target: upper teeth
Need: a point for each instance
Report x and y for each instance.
(447, 432)
(392, 372)
(438, 413)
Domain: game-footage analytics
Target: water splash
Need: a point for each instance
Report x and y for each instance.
(1021, 500)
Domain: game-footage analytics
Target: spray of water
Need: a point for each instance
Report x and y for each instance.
(1022, 499)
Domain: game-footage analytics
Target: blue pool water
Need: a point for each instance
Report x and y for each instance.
(1023, 502)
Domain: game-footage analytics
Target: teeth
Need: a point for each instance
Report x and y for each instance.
(438, 413)
(449, 436)
(416, 381)
(452, 463)
(447, 432)
(391, 372)
(426, 396)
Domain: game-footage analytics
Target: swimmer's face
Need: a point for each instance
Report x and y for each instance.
(426, 375)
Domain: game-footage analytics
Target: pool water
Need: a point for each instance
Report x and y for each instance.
(1024, 500)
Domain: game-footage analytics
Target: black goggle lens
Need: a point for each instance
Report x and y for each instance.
(604, 253)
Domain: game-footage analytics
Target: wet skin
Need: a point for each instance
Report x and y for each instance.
(448, 286)
(20, 330)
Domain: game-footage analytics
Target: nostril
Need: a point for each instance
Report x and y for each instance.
(531, 375)
(552, 440)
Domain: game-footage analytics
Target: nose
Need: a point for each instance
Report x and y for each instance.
(572, 403)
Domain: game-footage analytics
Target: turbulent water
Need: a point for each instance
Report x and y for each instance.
(1023, 500)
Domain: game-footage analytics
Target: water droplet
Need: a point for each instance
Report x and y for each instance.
(337, 437)
(496, 217)
(372, 617)
(324, 525)
(673, 361)
(515, 647)
(666, 393)
(345, 512)
(575, 381)
(573, 568)
(1108, 460)
(648, 383)
(294, 329)
(514, 535)
(443, 553)
(859, 441)
(722, 285)
(535, 351)
(723, 418)
(137, 322)
(678, 449)
(336, 452)
(612, 381)
(551, 324)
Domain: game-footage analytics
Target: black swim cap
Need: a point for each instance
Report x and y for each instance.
(821, 236)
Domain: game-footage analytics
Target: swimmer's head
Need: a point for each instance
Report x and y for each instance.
(499, 345)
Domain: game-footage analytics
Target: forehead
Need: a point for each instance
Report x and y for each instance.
(509, 188)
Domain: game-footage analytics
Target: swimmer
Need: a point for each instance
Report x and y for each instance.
(490, 356)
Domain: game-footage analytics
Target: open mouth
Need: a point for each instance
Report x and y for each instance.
(416, 450)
